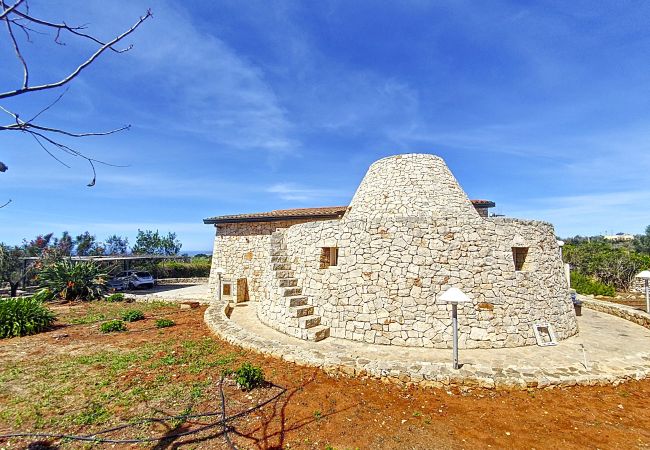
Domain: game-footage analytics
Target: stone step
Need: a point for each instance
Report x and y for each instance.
(284, 274)
(297, 300)
(291, 291)
(287, 282)
(301, 311)
(309, 321)
(282, 266)
(280, 259)
(318, 333)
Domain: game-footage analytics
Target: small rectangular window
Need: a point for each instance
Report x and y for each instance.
(329, 256)
(519, 255)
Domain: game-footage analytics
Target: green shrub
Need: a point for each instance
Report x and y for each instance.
(605, 262)
(132, 315)
(164, 323)
(43, 295)
(115, 298)
(586, 285)
(249, 376)
(112, 326)
(197, 267)
(22, 316)
(82, 280)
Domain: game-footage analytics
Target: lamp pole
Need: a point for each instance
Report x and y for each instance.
(454, 296)
(454, 322)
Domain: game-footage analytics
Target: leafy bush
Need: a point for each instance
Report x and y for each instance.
(22, 316)
(83, 280)
(43, 295)
(197, 267)
(133, 315)
(586, 285)
(112, 326)
(164, 323)
(249, 376)
(605, 262)
(117, 297)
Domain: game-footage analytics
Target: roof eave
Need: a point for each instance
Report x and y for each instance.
(226, 220)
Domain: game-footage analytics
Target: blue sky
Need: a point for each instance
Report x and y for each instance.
(236, 106)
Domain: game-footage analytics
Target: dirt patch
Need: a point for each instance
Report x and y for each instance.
(87, 381)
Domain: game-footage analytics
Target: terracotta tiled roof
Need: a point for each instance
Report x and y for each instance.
(325, 212)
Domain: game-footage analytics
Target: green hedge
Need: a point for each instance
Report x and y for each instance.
(586, 285)
(198, 267)
(22, 316)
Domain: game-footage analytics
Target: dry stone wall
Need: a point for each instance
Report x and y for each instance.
(389, 276)
(243, 251)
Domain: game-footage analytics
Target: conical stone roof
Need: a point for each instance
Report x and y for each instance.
(410, 186)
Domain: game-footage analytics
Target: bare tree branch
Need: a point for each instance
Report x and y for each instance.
(18, 54)
(74, 30)
(56, 100)
(81, 67)
(45, 136)
(47, 151)
(7, 11)
(6, 203)
(23, 126)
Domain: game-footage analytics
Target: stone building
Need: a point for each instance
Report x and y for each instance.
(374, 271)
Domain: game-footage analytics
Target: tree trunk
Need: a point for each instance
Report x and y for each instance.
(14, 288)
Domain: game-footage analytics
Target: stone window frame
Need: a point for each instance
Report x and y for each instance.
(520, 258)
(329, 257)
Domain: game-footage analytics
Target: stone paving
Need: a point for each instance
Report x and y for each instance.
(607, 350)
(172, 292)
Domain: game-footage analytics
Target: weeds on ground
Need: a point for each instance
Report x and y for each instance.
(99, 311)
(112, 326)
(164, 323)
(132, 315)
(248, 376)
(117, 297)
(61, 392)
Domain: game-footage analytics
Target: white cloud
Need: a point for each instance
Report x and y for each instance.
(191, 79)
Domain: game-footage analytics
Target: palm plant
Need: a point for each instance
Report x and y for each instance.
(70, 280)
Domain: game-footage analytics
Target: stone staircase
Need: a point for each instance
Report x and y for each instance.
(302, 322)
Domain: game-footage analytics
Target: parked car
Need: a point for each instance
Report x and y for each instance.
(136, 279)
(116, 284)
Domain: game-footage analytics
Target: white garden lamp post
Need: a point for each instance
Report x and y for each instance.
(454, 296)
(219, 271)
(645, 275)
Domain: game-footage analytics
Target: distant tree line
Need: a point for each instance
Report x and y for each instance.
(147, 242)
(50, 249)
(609, 262)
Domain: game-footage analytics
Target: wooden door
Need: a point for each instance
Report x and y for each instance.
(242, 290)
